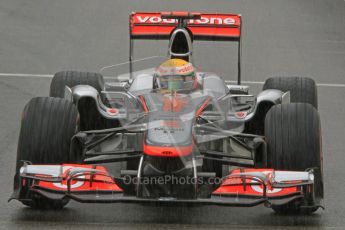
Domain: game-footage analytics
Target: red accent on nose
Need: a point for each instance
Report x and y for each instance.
(167, 152)
(173, 151)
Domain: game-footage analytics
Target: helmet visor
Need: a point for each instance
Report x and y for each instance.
(176, 82)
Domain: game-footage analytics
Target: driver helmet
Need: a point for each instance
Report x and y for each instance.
(176, 74)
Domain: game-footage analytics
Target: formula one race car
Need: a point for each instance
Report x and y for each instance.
(177, 134)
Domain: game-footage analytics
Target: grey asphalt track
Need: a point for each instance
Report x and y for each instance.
(292, 37)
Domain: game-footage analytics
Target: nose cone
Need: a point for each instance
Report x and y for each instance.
(169, 137)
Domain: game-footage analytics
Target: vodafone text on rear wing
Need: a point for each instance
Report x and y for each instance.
(200, 26)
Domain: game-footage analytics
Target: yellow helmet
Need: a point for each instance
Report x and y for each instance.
(175, 74)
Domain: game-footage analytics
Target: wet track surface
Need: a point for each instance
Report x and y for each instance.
(296, 37)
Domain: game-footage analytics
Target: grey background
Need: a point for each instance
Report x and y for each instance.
(294, 37)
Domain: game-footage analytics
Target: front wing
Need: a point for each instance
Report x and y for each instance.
(94, 184)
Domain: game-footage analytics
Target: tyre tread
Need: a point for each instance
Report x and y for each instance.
(293, 137)
(47, 127)
(302, 89)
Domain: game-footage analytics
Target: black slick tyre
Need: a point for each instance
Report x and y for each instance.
(302, 89)
(90, 118)
(47, 127)
(293, 137)
(74, 78)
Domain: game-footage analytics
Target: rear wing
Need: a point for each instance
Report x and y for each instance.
(202, 26)
(207, 27)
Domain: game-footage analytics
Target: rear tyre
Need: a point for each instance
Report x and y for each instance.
(47, 127)
(301, 89)
(293, 136)
(90, 118)
(74, 78)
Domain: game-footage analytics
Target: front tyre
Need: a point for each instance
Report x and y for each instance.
(47, 127)
(293, 136)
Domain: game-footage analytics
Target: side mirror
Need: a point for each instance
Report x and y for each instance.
(238, 89)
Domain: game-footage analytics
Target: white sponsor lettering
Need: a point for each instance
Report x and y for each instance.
(202, 20)
(155, 19)
(216, 21)
(142, 20)
(229, 21)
